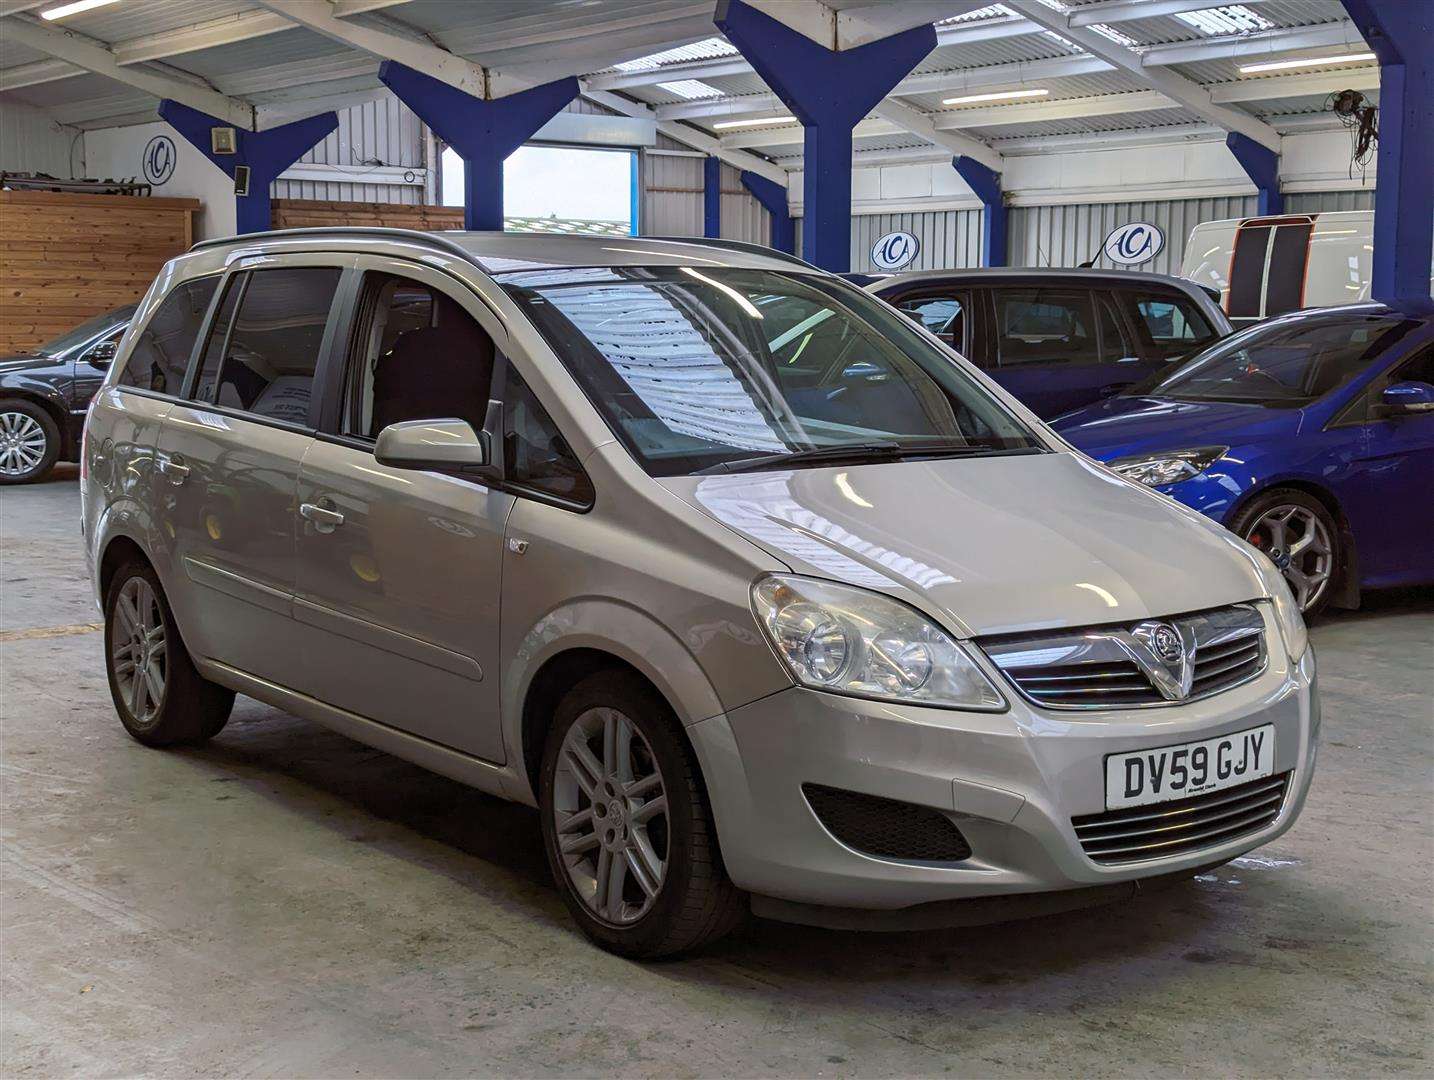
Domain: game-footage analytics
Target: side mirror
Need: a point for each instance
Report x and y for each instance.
(102, 355)
(1406, 397)
(430, 444)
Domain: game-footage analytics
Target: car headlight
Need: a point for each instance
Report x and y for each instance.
(1287, 613)
(1169, 467)
(852, 641)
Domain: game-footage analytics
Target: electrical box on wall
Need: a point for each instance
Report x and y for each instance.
(241, 179)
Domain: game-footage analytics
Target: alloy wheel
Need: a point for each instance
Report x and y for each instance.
(1298, 542)
(610, 816)
(138, 650)
(22, 443)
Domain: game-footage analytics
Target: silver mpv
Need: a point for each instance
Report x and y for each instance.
(760, 593)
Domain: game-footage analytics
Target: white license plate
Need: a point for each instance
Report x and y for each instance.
(1178, 772)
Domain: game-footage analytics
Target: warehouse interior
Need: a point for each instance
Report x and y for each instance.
(284, 900)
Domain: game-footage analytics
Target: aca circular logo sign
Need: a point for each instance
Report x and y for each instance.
(1133, 244)
(894, 250)
(160, 157)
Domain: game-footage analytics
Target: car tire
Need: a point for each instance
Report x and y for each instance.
(145, 660)
(672, 891)
(1276, 522)
(29, 441)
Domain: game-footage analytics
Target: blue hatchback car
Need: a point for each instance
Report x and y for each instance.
(1310, 435)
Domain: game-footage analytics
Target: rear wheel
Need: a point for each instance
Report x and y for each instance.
(1301, 538)
(626, 824)
(159, 694)
(29, 442)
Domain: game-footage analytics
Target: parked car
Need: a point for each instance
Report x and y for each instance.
(1059, 339)
(1268, 266)
(44, 395)
(1310, 435)
(748, 584)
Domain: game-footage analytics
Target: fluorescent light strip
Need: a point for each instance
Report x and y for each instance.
(765, 121)
(1309, 61)
(1005, 95)
(74, 8)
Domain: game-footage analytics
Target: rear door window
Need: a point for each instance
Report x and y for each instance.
(274, 341)
(1046, 326)
(1170, 325)
(160, 357)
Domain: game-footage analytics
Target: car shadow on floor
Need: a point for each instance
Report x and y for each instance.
(439, 825)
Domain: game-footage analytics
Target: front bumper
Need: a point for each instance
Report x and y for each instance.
(1010, 781)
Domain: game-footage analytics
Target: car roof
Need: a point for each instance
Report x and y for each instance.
(501, 252)
(980, 274)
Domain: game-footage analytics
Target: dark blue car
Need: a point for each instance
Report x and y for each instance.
(1310, 435)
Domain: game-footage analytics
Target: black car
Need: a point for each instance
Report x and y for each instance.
(1059, 339)
(44, 395)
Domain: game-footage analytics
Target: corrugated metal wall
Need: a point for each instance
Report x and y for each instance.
(385, 131)
(948, 238)
(672, 199)
(31, 142)
(1324, 202)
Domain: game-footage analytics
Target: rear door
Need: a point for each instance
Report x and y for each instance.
(228, 459)
(399, 570)
(1060, 347)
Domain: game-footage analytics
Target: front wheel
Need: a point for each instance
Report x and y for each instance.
(626, 824)
(1300, 537)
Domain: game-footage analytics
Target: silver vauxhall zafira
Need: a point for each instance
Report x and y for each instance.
(763, 596)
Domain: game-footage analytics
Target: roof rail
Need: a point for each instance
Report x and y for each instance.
(738, 245)
(428, 238)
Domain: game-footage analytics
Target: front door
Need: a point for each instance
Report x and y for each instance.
(399, 570)
(228, 463)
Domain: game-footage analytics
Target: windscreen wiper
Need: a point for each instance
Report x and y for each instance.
(861, 453)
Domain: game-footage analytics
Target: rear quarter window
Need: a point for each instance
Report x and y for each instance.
(160, 357)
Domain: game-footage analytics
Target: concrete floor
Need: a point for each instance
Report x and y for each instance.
(286, 902)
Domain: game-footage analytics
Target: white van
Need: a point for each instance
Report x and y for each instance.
(1269, 265)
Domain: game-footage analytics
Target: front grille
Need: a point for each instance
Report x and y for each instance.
(886, 827)
(1174, 828)
(1113, 667)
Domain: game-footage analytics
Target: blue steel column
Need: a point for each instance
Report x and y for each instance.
(773, 196)
(266, 153)
(829, 92)
(712, 198)
(1262, 166)
(986, 184)
(483, 133)
(1401, 33)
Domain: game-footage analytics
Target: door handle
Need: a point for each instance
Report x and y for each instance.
(324, 519)
(172, 468)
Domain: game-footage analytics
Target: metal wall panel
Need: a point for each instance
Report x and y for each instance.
(947, 238)
(384, 130)
(31, 142)
(672, 201)
(1324, 202)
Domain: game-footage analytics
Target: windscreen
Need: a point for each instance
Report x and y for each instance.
(1280, 364)
(86, 330)
(694, 369)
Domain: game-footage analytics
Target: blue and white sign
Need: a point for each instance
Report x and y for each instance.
(894, 250)
(1133, 244)
(160, 157)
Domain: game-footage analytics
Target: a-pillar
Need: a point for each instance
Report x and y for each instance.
(773, 197)
(483, 133)
(1262, 166)
(265, 153)
(829, 92)
(985, 183)
(1401, 33)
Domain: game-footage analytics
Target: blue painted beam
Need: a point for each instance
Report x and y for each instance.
(712, 198)
(829, 92)
(1262, 166)
(1401, 33)
(483, 133)
(773, 197)
(985, 183)
(265, 153)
